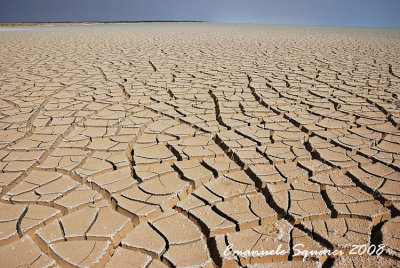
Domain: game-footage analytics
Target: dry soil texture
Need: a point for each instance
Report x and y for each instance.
(154, 145)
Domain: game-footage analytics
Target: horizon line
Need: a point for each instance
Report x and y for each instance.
(39, 23)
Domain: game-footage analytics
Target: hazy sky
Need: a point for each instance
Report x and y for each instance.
(380, 13)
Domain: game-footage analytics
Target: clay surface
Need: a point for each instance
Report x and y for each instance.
(159, 145)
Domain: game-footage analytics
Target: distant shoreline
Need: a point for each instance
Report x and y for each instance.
(60, 23)
(68, 23)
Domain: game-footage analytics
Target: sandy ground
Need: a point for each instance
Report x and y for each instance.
(156, 145)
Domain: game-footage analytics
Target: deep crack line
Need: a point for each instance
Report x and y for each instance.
(153, 66)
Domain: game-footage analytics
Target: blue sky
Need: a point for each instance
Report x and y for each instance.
(375, 13)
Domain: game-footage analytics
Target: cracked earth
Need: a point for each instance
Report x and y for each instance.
(155, 145)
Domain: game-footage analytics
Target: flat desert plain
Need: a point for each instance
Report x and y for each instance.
(199, 145)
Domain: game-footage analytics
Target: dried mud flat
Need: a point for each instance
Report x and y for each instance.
(159, 145)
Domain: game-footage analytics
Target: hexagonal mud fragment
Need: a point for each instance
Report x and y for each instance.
(366, 133)
(163, 191)
(330, 134)
(145, 172)
(161, 107)
(388, 145)
(117, 159)
(114, 181)
(193, 171)
(128, 130)
(212, 223)
(98, 131)
(290, 134)
(319, 143)
(138, 210)
(239, 176)
(237, 120)
(45, 192)
(256, 134)
(10, 135)
(379, 179)
(314, 166)
(328, 123)
(249, 157)
(334, 178)
(283, 152)
(49, 234)
(147, 139)
(55, 188)
(221, 165)
(300, 200)
(163, 201)
(30, 156)
(352, 142)
(144, 237)
(231, 140)
(102, 144)
(24, 253)
(247, 211)
(230, 185)
(80, 196)
(93, 166)
(376, 154)
(208, 126)
(34, 180)
(292, 172)
(15, 166)
(198, 147)
(339, 157)
(6, 179)
(127, 258)
(109, 225)
(354, 202)
(259, 207)
(391, 237)
(82, 253)
(170, 224)
(35, 142)
(207, 196)
(189, 202)
(265, 174)
(134, 122)
(52, 129)
(10, 215)
(341, 233)
(152, 154)
(192, 254)
(37, 215)
(166, 184)
(76, 224)
(76, 142)
(64, 158)
(182, 130)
